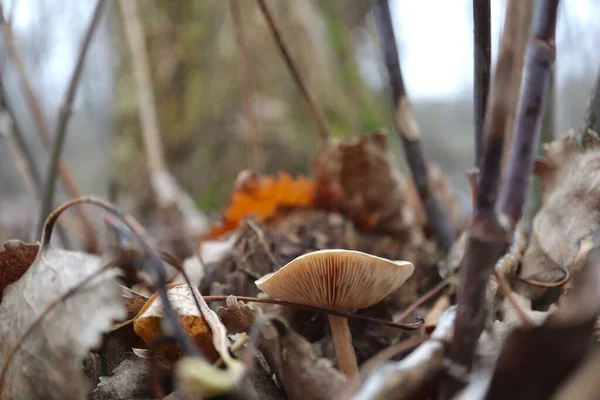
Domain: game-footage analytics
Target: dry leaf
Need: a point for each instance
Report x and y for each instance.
(49, 363)
(16, 257)
(262, 196)
(358, 179)
(570, 211)
(148, 322)
(131, 379)
(302, 374)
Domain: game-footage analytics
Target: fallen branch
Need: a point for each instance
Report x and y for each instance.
(482, 65)
(44, 131)
(592, 111)
(409, 130)
(313, 109)
(64, 114)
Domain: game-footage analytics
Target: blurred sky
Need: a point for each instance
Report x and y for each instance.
(436, 43)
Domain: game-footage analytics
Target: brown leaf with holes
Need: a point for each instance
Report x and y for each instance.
(263, 196)
(570, 211)
(358, 179)
(16, 257)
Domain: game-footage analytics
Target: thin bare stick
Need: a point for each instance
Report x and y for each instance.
(592, 112)
(153, 266)
(44, 131)
(313, 109)
(252, 125)
(487, 237)
(538, 71)
(521, 39)
(406, 326)
(432, 292)
(64, 114)
(409, 130)
(166, 189)
(482, 64)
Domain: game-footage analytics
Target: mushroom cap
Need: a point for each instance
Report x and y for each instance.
(336, 279)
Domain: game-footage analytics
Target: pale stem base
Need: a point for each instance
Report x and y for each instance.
(342, 342)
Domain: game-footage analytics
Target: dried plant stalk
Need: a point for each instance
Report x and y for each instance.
(482, 65)
(409, 130)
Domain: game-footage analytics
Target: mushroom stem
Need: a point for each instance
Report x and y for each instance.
(342, 342)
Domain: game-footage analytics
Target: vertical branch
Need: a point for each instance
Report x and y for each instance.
(64, 114)
(38, 119)
(538, 72)
(167, 191)
(409, 130)
(253, 131)
(313, 109)
(522, 33)
(592, 112)
(482, 60)
(487, 238)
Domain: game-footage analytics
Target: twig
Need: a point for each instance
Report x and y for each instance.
(42, 127)
(65, 113)
(153, 266)
(408, 129)
(592, 112)
(482, 60)
(166, 189)
(538, 71)
(406, 326)
(435, 290)
(520, 41)
(486, 237)
(315, 113)
(253, 130)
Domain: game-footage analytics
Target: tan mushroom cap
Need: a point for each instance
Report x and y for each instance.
(336, 278)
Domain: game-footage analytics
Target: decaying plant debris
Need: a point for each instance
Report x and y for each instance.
(354, 282)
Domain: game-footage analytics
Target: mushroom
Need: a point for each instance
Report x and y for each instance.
(337, 280)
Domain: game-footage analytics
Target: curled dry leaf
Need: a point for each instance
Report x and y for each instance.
(16, 257)
(570, 212)
(358, 179)
(52, 355)
(262, 196)
(197, 377)
(302, 374)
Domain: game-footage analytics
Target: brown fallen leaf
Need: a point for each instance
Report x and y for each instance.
(290, 356)
(48, 363)
(570, 212)
(358, 179)
(16, 257)
(148, 321)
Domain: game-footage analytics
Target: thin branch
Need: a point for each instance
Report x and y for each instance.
(540, 59)
(423, 299)
(520, 41)
(482, 60)
(592, 112)
(64, 115)
(487, 238)
(42, 127)
(409, 130)
(166, 189)
(253, 130)
(406, 326)
(315, 113)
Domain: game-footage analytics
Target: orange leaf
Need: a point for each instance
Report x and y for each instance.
(262, 197)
